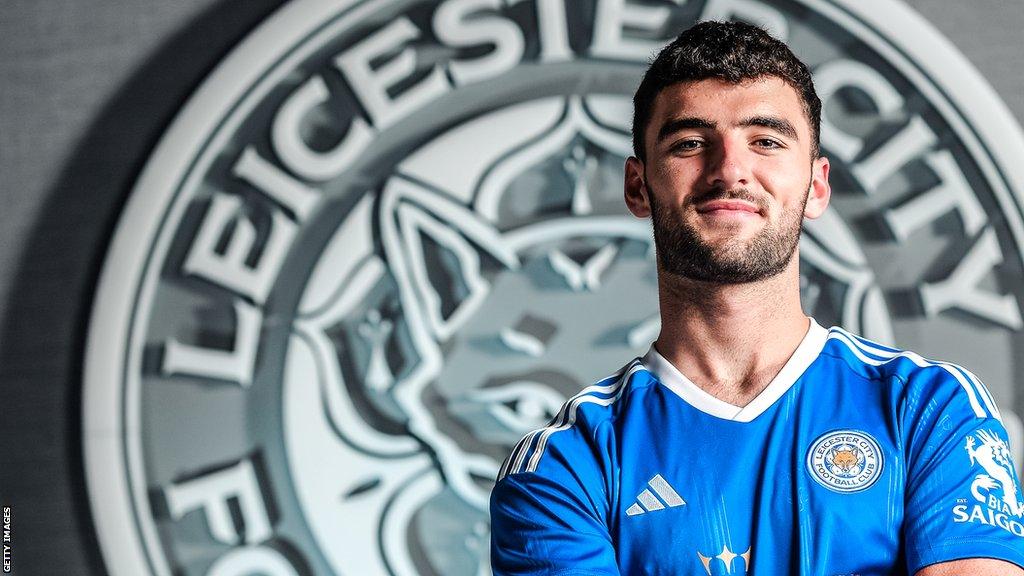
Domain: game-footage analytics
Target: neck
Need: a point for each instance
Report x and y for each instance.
(731, 339)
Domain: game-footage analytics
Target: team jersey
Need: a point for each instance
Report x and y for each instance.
(857, 459)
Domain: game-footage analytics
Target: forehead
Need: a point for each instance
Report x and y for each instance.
(722, 102)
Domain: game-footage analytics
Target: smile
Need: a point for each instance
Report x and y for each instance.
(727, 207)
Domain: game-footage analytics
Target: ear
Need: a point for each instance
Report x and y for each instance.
(635, 188)
(820, 191)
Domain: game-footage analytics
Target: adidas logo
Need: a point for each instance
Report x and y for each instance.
(648, 502)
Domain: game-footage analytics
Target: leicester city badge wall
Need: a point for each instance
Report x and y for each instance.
(384, 240)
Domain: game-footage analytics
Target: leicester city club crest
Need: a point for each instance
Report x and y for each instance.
(845, 460)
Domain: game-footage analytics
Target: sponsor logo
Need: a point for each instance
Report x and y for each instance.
(845, 460)
(648, 502)
(996, 489)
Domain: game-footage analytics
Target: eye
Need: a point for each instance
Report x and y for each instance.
(769, 143)
(687, 145)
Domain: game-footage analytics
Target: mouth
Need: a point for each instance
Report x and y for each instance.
(726, 207)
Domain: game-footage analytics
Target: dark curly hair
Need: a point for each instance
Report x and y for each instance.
(729, 51)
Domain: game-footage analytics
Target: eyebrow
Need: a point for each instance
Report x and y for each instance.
(677, 124)
(780, 125)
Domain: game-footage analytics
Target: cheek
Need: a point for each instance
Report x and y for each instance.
(787, 185)
(676, 176)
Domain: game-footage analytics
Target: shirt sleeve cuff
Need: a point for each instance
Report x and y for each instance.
(959, 550)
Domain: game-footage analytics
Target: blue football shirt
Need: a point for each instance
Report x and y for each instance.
(856, 459)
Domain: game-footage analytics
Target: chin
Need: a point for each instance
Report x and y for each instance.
(728, 235)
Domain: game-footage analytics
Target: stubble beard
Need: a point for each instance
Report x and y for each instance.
(682, 252)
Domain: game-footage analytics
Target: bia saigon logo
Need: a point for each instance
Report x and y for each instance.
(385, 239)
(845, 460)
(995, 488)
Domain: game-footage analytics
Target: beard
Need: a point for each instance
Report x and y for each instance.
(682, 252)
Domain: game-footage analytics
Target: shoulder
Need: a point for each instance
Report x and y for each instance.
(575, 427)
(917, 379)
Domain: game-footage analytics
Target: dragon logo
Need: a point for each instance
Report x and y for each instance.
(993, 455)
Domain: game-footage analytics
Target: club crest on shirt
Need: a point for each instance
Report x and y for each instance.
(995, 488)
(845, 460)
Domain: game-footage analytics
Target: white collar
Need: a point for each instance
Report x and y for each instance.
(674, 380)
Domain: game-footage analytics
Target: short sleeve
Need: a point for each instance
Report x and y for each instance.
(538, 527)
(552, 518)
(963, 497)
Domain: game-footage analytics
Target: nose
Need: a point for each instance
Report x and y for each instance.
(728, 165)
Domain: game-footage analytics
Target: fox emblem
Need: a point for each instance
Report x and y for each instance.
(845, 458)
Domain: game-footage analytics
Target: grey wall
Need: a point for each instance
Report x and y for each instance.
(62, 62)
(86, 87)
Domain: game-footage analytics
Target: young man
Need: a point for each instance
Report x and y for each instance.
(749, 439)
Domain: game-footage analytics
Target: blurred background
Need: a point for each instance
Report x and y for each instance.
(282, 283)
